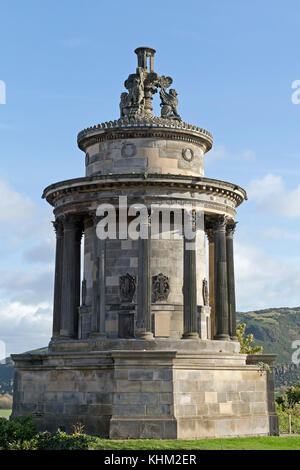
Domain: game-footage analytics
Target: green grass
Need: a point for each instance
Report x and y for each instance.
(5, 413)
(246, 443)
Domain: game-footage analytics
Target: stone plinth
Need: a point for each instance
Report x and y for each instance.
(187, 389)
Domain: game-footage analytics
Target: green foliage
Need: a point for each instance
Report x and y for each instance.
(290, 398)
(245, 341)
(59, 441)
(17, 431)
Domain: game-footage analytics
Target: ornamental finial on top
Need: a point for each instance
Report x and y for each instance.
(142, 85)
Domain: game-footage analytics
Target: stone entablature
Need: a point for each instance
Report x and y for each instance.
(57, 193)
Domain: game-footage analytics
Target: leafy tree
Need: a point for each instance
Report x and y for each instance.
(245, 341)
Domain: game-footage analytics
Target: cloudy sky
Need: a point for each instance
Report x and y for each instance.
(64, 64)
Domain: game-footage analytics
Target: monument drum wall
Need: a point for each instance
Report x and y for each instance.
(144, 342)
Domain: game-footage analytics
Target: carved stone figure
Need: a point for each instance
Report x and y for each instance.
(142, 85)
(205, 292)
(124, 110)
(160, 287)
(127, 284)
(169, 104)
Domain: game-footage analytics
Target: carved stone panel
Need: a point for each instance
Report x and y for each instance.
(126, 325)
(128, 149)
(127, 284)
(205, 292)
(160, 287)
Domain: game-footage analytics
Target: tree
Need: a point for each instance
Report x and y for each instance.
(245, 341)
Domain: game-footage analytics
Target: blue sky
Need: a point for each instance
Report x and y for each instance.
(64, 64)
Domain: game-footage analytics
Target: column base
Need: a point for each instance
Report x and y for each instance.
(97, 334)
(234, 338)
(190, 335)
(145, 335)
(222, 337)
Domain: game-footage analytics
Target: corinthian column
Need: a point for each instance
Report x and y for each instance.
(190, 288)
(70, 276)
(210, 232)
(144, 286)
(221, 285)
(58, 227)
(230, 279)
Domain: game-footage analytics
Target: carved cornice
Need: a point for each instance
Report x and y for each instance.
(134, 181)
(144, 127)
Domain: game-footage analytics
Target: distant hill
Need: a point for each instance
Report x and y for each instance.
(274, 328)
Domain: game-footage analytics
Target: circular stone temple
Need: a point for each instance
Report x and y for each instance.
(144, 338)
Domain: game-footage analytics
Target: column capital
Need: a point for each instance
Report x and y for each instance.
(58, 227)
(230, 228)
(73, 222)
(221, 222)
(210, 233)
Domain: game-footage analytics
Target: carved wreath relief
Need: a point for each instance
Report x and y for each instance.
(127, 285)
(160, 287)
(187, 154)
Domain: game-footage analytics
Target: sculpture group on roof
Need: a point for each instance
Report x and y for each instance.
(142, 85)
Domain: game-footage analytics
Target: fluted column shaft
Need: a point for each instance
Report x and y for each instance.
(189, 289)
(98, 301)
(58, 226)
(71, 276)
(221, 284)
(230, 279)
(211, 266)
(144, 286)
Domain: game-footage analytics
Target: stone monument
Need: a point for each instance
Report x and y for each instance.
(144, 339)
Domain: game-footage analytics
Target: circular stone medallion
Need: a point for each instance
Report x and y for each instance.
(128, 150)
(187, 154)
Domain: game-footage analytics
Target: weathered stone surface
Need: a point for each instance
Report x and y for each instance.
(155, 394)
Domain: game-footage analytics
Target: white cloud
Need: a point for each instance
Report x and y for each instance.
(24, 327)
(27, 250)
(14, 207)
(270, 195)
(264, 280)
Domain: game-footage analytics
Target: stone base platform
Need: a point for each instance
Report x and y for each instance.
(186, 389)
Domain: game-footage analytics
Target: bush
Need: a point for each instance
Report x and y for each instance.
(17, 431)
(58, 441)
(283, 418)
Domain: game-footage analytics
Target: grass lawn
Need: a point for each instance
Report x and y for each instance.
(5, 413)
(245, 443)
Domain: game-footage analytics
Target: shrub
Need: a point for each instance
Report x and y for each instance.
(245, 341)
(58, 441)
(16, 431)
